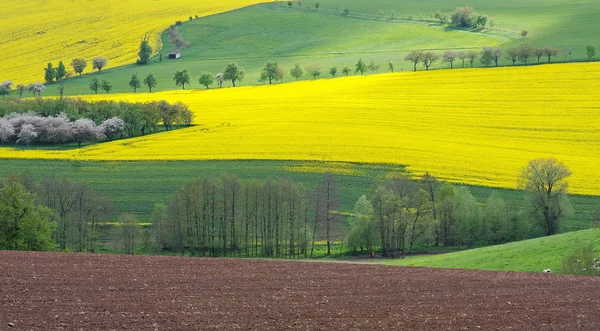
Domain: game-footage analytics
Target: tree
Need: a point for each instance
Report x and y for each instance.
(60, 88)
(219, 79)
(7, 131)
(449, 57)
(429, 58)
(269, 71)
(61, 71)
(24, 225)
(481, 21)
(471, 56)
(279, 73)
(313, 70)
(95, 85)
(99, 63)
(391, 66)
(414, 57)
(49, 73)
(524, 33)
(462, 56)
(129, 232)
(289, 4)
(78, 65)
(463, 17)
(296, 71)
(360, 67)
(85, 130)
(545, 185)
(145, 52)
(328, 197)
(112, 127)
(333, 71)
(234, 73)
(538, 53)
(135, 83)
(27, 134)
(182, 77)
(512, 54)
(489, 55)
(590, 51)
(525, 52)
(150, 81)
(317, 5)
(20, 88)
(206, 79)
(443, 18)
(6, 88)
(346, 71)
(106, 86)
(550, 52)
(363, 231)
(496, 220)
(373, 67)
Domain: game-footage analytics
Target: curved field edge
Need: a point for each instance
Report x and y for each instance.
(533, 255)
(470, 126)
(37, 32)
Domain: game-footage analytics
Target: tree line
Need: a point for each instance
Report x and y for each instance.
(51, 121)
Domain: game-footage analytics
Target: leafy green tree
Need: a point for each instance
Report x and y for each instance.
(346, 71)
(296, 71)
(21, 88)
(182, 77)
(463, 17)
(467, 214)
(150, 81)
(135, 83)
(495, 216)
(333, 71)
(6, 88)
(95, 85)
(360, 67)
(206, 79)
(23, 224)
(99, 63)
(363, 232)
(78, 65)
(234, 73)
(49, 73)
(61, 71)
(546, 199)
(590, 51)
(314, 70)
(106, 86)
(269, 72)
(145, 52)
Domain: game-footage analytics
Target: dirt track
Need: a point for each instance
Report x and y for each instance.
(48, 291)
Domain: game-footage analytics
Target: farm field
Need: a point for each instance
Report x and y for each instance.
(472, 126)
(37, 32)
(541, 253)
(116, 292)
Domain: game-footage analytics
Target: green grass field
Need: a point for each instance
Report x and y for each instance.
(534, 255)
(134, 187)
(254, 35)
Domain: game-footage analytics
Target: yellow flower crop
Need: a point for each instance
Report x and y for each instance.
(35, 32)
(475, 126)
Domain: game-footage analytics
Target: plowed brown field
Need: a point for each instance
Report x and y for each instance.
(49, 291)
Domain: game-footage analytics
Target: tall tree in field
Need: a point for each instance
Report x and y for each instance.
(49, 73)
(182, 77)
(333, 71)
(471, 56)
(269, 71)
(135, 83)
(590, 51)
(550, 52)
(150, 81)
(360, 67)
(296, 71)
(429, 58)
(462, 56)
(78, 65)
(449, 57)
(106, 86)
(234, 73)
(346, 71)
(328, 197)
(415, 57)
(95, 85)
(99, 63)
(512, 54)
(545, 185)
(525, 52)
(206, 79)
(145, 52)
(61, 71)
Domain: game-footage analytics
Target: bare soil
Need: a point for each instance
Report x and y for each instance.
(59, 291)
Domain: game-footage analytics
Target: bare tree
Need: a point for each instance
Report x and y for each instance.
(328, 197)
(429, 58)
(449, 57)
(414, 57)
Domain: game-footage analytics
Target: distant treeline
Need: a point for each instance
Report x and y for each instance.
(54, 121)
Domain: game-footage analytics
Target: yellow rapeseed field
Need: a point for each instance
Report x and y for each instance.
(35, 32)
(475, 126)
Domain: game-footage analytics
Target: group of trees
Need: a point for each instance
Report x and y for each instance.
(6, 88)
(50, 121)
(462, 17)
(59, 73)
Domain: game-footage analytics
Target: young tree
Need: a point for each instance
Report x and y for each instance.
(328, 197)
(135, 83)
(590, 51)
(333, 71)
(95, 85)
(512, 54)
(449, 57)
(60, 88)
(313, 70)
(99, 63)
(415, 57)
(538, 53)
(489, 55)
(360, 67)
(219, 79)
(6, 88)
(373, 67)
(545, 185)
(49, 73)
(61, 71)
(234, 73)
(462, 56)
(525, 52)
(85, 130)
(20, 88)
(206, 79)
(269, 71)
(296, 71)
(106, 86)
(550, 52)
(150, 81)
(129, 232)
(362, 230)
(429, 58)
(182, 77)
(112, 127)
(391, 66)
(471, 56)
(145, 52)
(346, 71)
(78, 65)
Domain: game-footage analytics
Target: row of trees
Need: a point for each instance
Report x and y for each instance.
(55, 121)
(59, 73)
